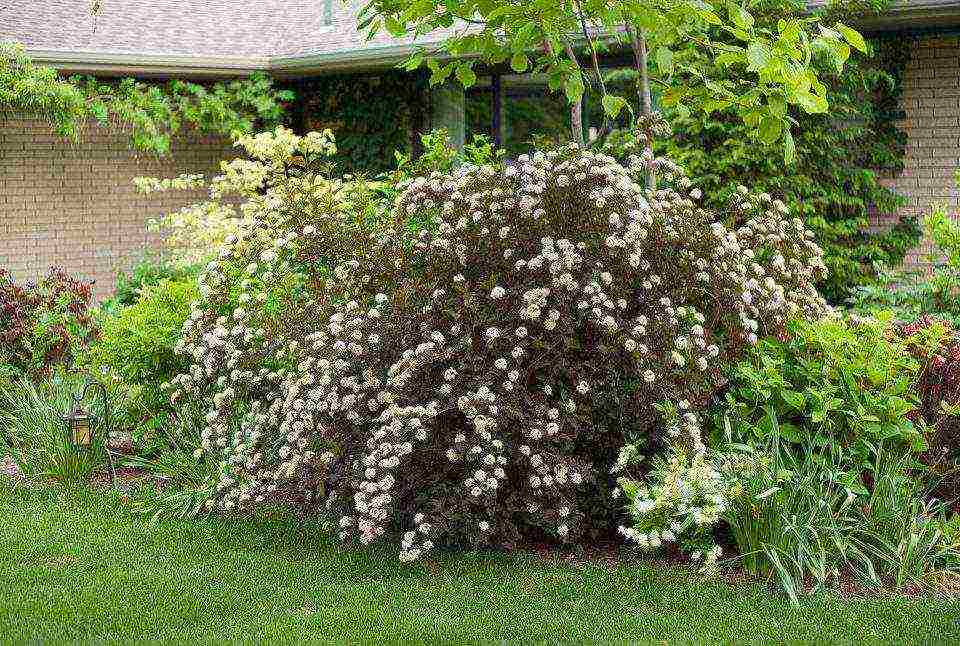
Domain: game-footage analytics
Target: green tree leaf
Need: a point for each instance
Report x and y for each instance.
(612, 104)
(853, 37)
(466, 75)
(740, 16)
(519, 62)
(664, 58)
(758, 56)
(573, 88)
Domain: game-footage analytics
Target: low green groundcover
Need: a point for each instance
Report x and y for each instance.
(74, 565)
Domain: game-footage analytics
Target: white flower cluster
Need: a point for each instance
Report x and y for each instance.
(683, 497)
(451, 389)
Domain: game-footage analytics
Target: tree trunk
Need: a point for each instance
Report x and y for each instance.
(640, 54)
(576, 121)
(576, 110)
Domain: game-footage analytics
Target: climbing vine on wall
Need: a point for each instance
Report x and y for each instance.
(835, 185)
(374, 116)
(151, 112)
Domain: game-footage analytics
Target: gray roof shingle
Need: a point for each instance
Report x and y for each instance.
(242, 34)
(260, 29)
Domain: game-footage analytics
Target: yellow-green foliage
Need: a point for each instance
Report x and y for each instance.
(137, 345)
(152, 113)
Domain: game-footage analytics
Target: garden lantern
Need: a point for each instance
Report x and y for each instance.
(81, 423)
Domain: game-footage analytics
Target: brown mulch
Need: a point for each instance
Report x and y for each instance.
(124, 477)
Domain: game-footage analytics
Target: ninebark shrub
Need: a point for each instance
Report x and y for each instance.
(464, 366)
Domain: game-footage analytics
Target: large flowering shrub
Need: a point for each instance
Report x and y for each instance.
(457, 385)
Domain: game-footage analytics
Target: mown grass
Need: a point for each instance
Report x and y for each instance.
(77, 566)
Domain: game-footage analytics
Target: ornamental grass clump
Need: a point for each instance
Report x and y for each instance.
(455, 386)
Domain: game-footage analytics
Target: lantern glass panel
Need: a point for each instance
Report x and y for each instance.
(80, 425)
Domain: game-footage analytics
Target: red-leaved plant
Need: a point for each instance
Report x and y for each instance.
(42, 323)
(938, 392)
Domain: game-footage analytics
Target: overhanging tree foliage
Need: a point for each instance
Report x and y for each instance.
(153, 113)
(766, 69)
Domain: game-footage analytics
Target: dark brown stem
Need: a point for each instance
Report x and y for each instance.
(593, 49)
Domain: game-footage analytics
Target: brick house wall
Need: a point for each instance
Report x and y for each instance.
(931, 102)
(74, 205)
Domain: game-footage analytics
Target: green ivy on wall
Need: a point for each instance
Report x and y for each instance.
(151, 112)
(372, 116)
(835, 185)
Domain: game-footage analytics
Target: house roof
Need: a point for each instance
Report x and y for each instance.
(908, 15)
(227, 37)
(195, 36)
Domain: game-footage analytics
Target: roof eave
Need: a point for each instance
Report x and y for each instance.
(345, 60)
(913, 15)
(905, 15)
(115, 64)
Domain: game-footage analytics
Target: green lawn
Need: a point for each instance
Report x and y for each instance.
(76, 566)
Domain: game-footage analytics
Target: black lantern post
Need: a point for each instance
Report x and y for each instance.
(81, 423)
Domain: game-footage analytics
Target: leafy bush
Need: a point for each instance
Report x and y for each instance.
(137, 344)
(44, 324)
(841, 158)
(844, 385)
(679, 501)
(938, 391)
(447, 390)
(813, 468)
(195, 233)
(789, 517)
(148, 271)
(33, 433)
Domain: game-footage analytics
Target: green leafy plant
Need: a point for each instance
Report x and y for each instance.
(33, 432)
(841, 157)
(791, 519)
(763, 69)
(915, 293)
(153, 112)
(149, 270)
(179, 473)
(136, 345)
(843, 385)
(903, 525)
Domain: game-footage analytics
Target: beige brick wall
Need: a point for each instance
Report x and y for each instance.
(931, 101)
(75, 205)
